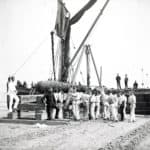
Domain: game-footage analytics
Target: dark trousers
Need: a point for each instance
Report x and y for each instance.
(49, 112)
(118, 85)
(126, 85)
(121, 113)
(57, 111)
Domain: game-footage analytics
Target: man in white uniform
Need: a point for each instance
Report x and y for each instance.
(115, 107)
(75, 104)
(85, 104)
(8, 97)
(105, 103)
(60, 104)
(124, 99)
(12, 92)
(132, 102)
(97, 105)
(113, 104)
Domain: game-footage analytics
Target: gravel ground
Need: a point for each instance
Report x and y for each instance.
(131, 140)
(145, 144)
(88, 135)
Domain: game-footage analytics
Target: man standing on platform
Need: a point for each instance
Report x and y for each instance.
(118, 79)
(135, 85)
(8, 96)
(12, 92)
(126, 81)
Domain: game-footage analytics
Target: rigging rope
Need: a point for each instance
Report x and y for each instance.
(74, 47)
(33, 52)
(78, 65)
(72, 68)
(82, 77)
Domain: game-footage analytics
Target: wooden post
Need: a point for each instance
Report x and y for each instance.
(53, 61)
(95, 66)
(88, 65)
(101, 76)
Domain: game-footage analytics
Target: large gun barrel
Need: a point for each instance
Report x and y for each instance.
(44, 85)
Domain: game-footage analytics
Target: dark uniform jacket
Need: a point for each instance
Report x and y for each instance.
(50, 100)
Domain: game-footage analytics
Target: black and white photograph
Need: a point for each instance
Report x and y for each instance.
(75, 75)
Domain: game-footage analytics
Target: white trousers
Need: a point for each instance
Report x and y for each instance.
(75, 109)
(12, 97)
(106, 112)
(60, 113)
(97, 113)
(53, 113)
(92, 110)
(132, 113)
(114, 112)
(124, 112)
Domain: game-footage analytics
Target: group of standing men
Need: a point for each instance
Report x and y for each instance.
(126, 79)
(118, 80)
(115, 106)
(97, 104)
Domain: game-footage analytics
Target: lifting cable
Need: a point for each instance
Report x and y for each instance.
(29, 57)
(74, 47)
(57, 58)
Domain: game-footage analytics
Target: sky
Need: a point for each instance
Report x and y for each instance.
(119, 42)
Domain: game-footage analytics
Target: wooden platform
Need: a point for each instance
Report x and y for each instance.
(32, 103)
